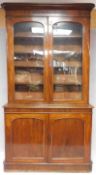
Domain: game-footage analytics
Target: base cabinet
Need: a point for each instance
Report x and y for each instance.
(42, 141)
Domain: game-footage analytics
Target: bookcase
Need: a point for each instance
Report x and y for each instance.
(48, 115)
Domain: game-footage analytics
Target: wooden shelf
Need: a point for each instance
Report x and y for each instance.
(28, 63)
(31, 35)
(67, 88)
(76, 48)
(66, 53)
(28, 41)
(28, 35)
(68, 79)
(26, 87)
(71, 63)
(28, 95)
(28, 49)
(67, 95)
(30, 78)
(34, 63)
(68, 83)
(70, 36)
(26, 83)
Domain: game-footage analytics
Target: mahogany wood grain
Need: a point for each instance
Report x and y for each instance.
(39, 137)
(29, 6)
(47, 132)
(48, 69)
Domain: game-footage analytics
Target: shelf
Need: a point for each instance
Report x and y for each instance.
(28, 70)
(68, 83)
(58, 50)
(36, 63)
(28, 63)
(68, 79)
(67, 88)
(28, 41)
(28, 95)
(39, 54)
(67, 54)
(67, 95)
(28, 49)
(28, 87)
(30, 78)
(28, 57)
(27, 35)
(68, 36)
(28, 83)
(61, 63)
(67, 40)
(62, 48)
(68, 72)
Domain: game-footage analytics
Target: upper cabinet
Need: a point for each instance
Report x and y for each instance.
(48, 54)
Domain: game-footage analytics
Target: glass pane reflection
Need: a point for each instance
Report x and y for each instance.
(28, 60)
(67, 60)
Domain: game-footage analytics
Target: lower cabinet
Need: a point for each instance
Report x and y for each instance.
(48, 138)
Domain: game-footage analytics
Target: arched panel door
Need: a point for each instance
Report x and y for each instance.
(67, 57)
(27, 137)
(29, 60)
(69, 137)
(27, 76)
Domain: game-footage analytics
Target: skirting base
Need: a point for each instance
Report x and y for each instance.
(63, 167)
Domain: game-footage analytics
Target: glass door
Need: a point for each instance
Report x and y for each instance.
(29, 60)
(67, 61)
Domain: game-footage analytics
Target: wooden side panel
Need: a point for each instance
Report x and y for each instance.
(68, 137)
(93, 19)
(26, 137)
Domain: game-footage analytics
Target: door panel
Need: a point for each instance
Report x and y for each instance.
(67, 61)
(27, 136)
(68, 135)
(27, 77)
(28, 59)
(49, 57)
(68, 51)
(48, 137)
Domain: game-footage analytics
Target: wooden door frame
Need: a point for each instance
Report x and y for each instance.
(85, 57)
(9, 120)
(86, 119)
(10, 56)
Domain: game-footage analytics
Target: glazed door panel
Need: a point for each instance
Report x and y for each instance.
(49, 57)
(28, 75)
(27, 137)
(68, 137)
(67, 59)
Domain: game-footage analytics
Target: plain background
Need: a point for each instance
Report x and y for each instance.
(3, 94)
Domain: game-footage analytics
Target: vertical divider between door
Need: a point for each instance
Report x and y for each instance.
(46, 64)
(50, 61)
(48, 139)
